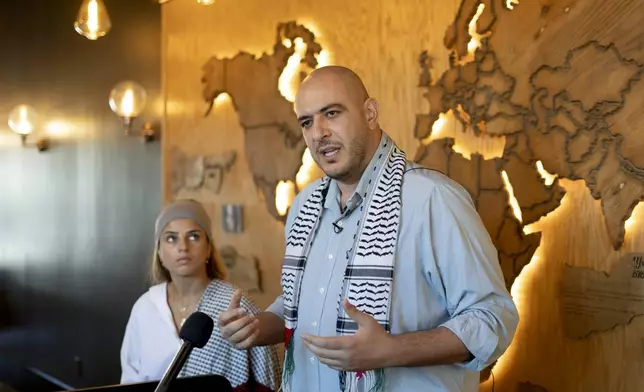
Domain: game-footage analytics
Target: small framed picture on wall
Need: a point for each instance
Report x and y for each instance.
(232, 218)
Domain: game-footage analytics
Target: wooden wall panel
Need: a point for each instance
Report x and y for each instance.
(386, 40)
(382, 41)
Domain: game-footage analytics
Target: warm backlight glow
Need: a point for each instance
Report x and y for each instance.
(206, 2)
(288, 84)
(284, 196)
(510, 3)
(324, 58)
(439, 125)
(630, 222)
(466, 142)
(555, 214)
(304, 175)
(548, 178)
(519, 293)
(512, 200)
(288, 80)
(475, 41)
(521, 288)
(222, 99)
(633, 223)
(528, 280)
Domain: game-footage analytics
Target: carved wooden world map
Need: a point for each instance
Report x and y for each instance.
(273, 138)
(563, 84)
(561, 88)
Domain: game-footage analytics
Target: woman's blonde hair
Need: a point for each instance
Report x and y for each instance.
(214, 267)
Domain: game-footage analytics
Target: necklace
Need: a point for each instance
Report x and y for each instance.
(184, 310)
(184, 315)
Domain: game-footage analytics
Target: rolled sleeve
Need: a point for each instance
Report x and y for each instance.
(277, 307)
(466, 266)
(480, 337)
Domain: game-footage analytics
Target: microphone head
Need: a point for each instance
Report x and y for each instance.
(197, 329)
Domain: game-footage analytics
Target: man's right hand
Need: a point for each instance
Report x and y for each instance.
(237, 326)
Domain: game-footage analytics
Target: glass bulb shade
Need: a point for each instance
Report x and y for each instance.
(127, 99)
(92, 21)
(206, 2)
(23, 119)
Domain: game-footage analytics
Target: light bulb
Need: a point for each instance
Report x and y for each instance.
(92, 21)
(23, 119)
(127, 100)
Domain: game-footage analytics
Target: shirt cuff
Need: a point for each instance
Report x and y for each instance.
(277, 307)
(477, 337)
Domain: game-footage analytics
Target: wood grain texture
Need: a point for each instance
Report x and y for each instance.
(552, 82)
(552, 100)
(541, 353)
(594, 301)
(398, 48)
(270, 126)
(372, 38)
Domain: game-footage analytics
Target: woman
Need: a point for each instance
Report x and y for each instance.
(188, 276)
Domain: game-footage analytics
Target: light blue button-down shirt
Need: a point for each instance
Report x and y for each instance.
(446, 274)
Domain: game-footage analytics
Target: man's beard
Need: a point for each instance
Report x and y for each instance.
(356, 158)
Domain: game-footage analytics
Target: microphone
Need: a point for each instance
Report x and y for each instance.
(195, 332)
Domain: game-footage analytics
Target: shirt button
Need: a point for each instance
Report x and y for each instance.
(312, 359)
(330, 256)
(340, 223)
(315, 323)
(321, 290)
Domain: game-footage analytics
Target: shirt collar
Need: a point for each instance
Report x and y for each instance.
(377, 160)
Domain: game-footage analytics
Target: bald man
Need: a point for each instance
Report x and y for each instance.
(390, 280)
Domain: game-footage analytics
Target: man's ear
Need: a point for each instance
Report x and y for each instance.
(372, 111)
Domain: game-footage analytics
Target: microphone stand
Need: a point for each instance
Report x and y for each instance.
(175, 367)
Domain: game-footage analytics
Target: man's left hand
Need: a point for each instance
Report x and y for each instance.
(367, 349)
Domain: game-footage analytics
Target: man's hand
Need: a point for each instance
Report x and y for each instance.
(367, 349)
(239, 328)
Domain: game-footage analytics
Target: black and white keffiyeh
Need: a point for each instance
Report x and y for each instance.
(258, 367)
(369, 273)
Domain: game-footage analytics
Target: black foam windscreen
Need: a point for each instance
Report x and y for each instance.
(197, 329)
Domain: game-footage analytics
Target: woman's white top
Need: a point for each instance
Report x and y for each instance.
(151, 339)
(151, 342)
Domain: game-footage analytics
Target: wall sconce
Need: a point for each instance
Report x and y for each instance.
(23, 120)
(92, 21)
(127, 100)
